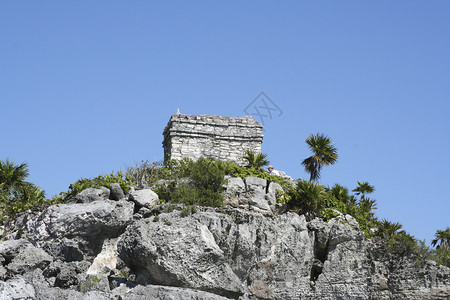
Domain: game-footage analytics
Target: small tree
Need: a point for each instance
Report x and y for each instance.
(309, 197)
(324, 154)
(16, 194)
(12, 176)
(443, 238)
(255, 160)
(363, 189)
(388, 229)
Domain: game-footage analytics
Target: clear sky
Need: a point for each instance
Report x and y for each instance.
(86, 87)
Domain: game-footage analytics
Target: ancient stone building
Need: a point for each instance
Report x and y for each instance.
(219, 137)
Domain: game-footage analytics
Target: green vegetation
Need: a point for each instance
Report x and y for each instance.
(324, 154)
(442, 239)
(363, 189)
(202, 183)
(255, 160)
(315, 200)
(194, 183)
(188, 210)
(97, 182)
(442, 243)
(91, 283)
(16, 194)
(198, 182)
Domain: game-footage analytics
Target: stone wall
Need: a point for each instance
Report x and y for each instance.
(219, 137)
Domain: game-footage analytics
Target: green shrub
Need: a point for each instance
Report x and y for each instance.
(16, 194)
(309, 198)
(442, 256)
(402, 244)
(204, 188)
(90, 284)
(188, 210)
(255, 160)
(147, 173)
(97, 182)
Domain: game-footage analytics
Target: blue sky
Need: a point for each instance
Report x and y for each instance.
(86, 87)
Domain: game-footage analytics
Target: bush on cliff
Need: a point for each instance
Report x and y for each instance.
(315, 200)
(16, 194)
(200, 182)
(96, 182)
(206, 178)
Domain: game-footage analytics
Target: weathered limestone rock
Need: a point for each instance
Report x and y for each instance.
(256, 194)
(106, 260)
(232, 248)
(234, 185)
(219, 137)
(10, 249)
(29, 258)
(100, 250)
(144, 198)
(168, 292)
(187, 245)
(78, 229)
(272, 192)
(346, 265)
(16, 288)
(256, 191)
(91, 195)
(106, 218)
(116, 192)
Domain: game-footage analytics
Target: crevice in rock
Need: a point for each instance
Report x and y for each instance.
(320, 256)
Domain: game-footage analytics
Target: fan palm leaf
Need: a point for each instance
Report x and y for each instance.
(255, 160)
(363, 189)
(324, 154)
(443, 238)
(12, 175)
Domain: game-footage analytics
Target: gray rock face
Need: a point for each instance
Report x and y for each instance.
(167, 292)
(91, 195)
(76, 231)
(16, 288)
(108, 250)
(29, 258)
(144, 198)
(186, 268)
(256, 189)
(242, 253)
(116, 192)
(105, 218)
(255, 194)
(20, 256)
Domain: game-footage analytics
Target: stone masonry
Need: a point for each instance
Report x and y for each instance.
(218, 137)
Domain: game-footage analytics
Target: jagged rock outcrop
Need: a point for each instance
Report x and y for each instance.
(132, 248)
(253, 194)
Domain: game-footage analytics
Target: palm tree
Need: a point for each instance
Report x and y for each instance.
(388, 229)
(310, 198)
(363, 189)
(255, 160)
(324, 154)
(340, 192)
(367, 206)
(12, 175)
(443, 238)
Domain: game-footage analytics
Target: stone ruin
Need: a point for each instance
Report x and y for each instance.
(218, 137)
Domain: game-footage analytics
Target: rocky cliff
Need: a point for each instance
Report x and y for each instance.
(108, 245)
